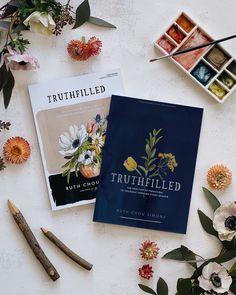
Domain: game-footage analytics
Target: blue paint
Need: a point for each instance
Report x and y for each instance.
(203, 73)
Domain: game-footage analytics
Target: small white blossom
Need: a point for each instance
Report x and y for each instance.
(215, 278)
(40, 22)
(224, 221)
(69, 142)
(86, 158)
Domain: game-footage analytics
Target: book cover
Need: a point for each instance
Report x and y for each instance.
(71, 118)
(148, 164)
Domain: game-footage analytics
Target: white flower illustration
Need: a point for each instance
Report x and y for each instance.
(40, 22)
(86, 158)
(97, 140)
(224, 221)
(215, 277)
(69, 142)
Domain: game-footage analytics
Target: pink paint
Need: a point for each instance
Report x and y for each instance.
(165, 44)
(187, 60)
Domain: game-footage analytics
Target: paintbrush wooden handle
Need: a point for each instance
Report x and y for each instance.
(33, 243)
(79, 260)
(202, 45)
(193, 48)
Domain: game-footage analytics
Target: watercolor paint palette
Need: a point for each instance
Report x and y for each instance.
(212, 67)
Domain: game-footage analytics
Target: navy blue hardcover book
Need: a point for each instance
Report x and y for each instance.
(148, 164)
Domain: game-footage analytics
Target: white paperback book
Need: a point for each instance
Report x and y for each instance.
(71, 118)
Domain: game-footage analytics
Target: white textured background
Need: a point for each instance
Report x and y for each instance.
(112, 249)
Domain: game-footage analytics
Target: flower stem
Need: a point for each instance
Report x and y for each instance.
(138, 172)
(67, 4)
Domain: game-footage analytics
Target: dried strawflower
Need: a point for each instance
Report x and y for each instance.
(146, 271)
(149, 250)
(80, 50)
(95, 46)
(219, 177)
(2, 164)
(16, 150)
(4, 125)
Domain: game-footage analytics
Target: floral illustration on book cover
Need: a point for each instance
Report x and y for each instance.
(155, 164)
(82, 147)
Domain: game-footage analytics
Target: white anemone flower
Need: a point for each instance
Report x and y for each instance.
(40, 22)
(86, 158)
(224, 221)
(97, 140)
(69, 142)
(215, 278)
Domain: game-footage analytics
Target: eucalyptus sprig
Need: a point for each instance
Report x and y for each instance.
(51, 16)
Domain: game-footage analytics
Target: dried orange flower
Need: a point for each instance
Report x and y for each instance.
(81, 50)
(16, 150)
(146, 271)
(149, 250)
(219, 177)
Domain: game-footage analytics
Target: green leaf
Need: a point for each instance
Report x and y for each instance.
(232, 270)
(157, 139)
(153, 153)
(233, 287)
(147, 289)
(213, 201)
(196, 291)
(182, 254)
(175, 254)
(207, 224)
(188, 255)
(226, 256)
(147, 149)
(229, 245)
(100, 22)
(142, 168)
(7, 88)
(152, 168)
(184, 286)
(151, 161)
(144, 157)
(68, 157)
(66, 164)
(3, 76)
(18, 28)
(162, 288)
(65, 172)
(68, 177)
(82, 14)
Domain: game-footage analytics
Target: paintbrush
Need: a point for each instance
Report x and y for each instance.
(193, 48)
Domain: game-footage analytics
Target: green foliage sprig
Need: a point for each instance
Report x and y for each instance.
(190, 285)
(12, 19)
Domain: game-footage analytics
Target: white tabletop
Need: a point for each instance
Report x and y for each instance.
(112, 249)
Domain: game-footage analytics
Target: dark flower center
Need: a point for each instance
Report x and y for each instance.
(230, 222)
(98, 118)
(76, 143)
(86, 157)
(216, 280)
(22, 63)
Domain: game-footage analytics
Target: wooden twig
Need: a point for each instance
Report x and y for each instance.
(33, 243)
(85, 264)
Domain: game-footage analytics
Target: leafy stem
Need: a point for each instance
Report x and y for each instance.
(150, 149)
